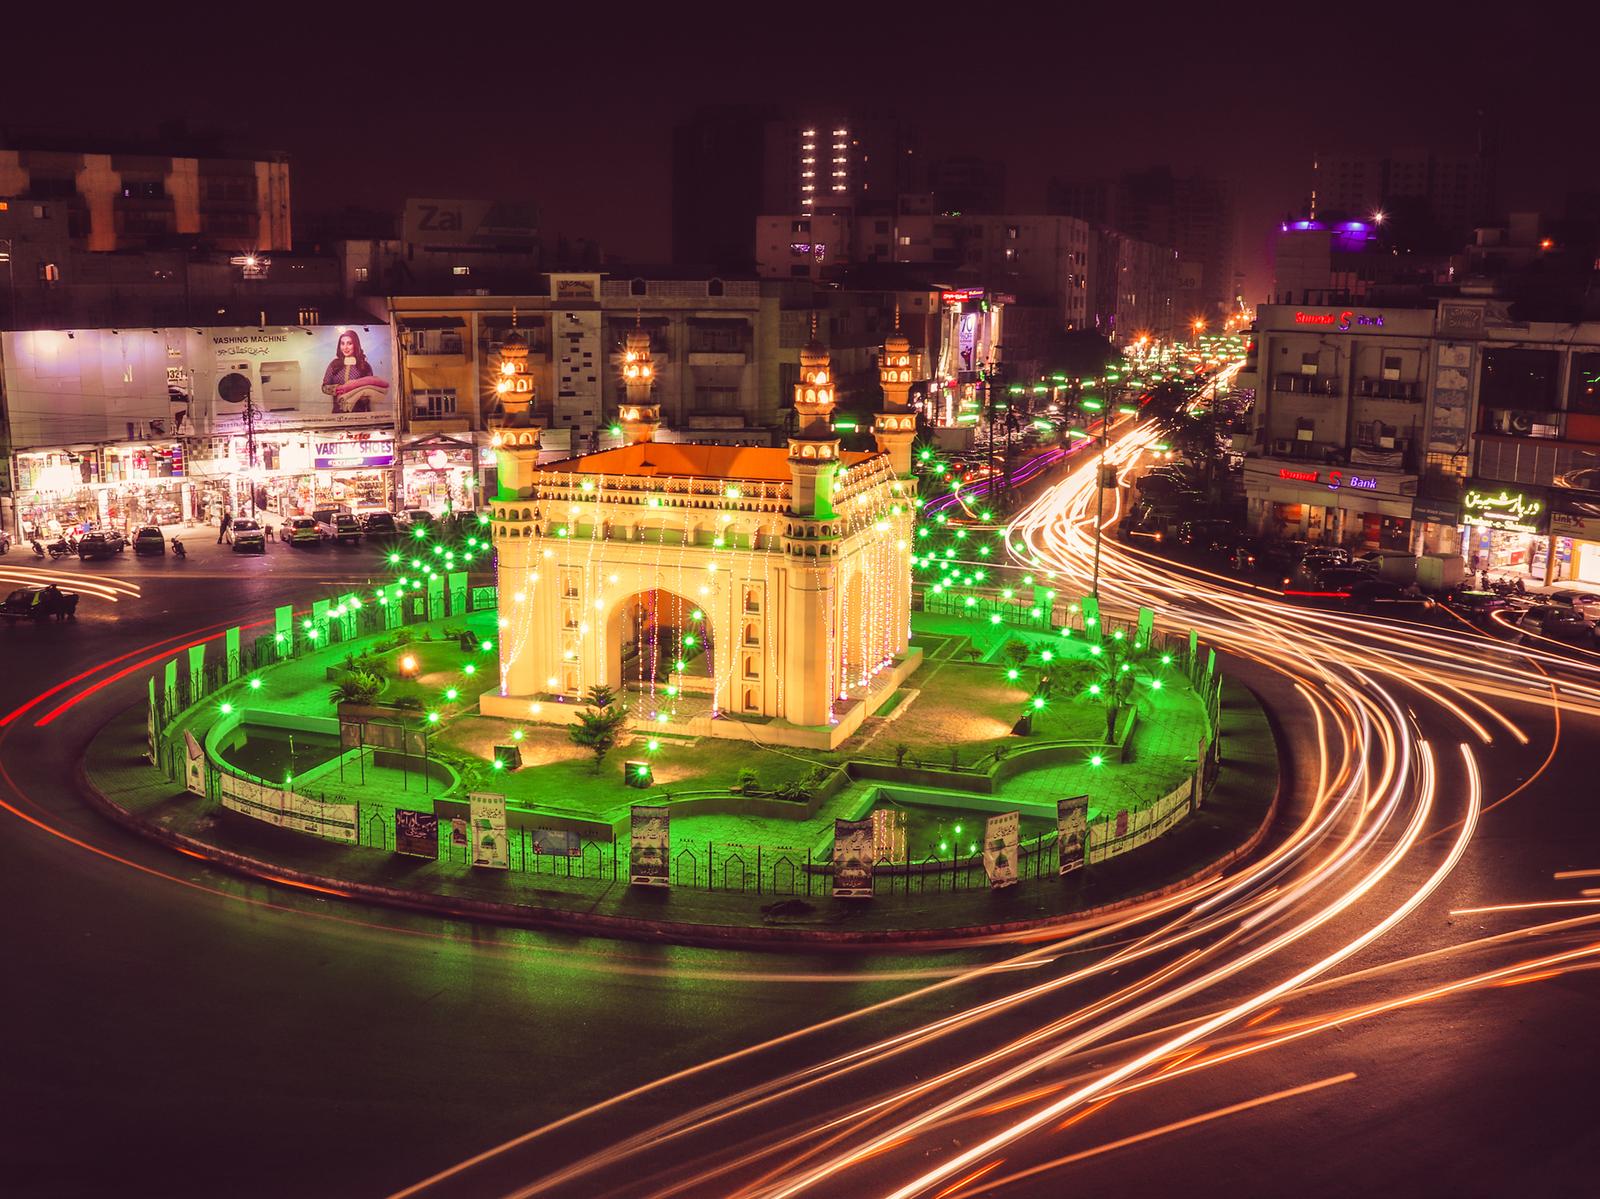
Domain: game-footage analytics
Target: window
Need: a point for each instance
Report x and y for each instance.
(714, 288)
(752, 633)
(310, 316)
(461, 270)
(752, 600)
(1517, 378)
(752, 666)
(40, 212)
(1583, 389)
(638, 287)
(361, 274)
(431, 405)
(49, 272)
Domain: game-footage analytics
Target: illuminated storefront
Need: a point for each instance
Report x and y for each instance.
(295, 473)
(444, 473)
(59, 490)
(1339, 505)
(1507, 528)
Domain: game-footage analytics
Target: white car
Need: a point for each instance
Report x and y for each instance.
(302, 530)
(248, 535)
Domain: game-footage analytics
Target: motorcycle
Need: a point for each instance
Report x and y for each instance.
(38, 550)
(177, 549)
(62, 548)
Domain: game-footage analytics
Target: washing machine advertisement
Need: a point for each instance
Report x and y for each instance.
(291, 376)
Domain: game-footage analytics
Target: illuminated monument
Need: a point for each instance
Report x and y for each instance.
(716, 586)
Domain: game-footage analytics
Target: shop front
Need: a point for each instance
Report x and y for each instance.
(1575, 528)
(1507, 528)
(117, 486)
(1357, 507)
(294, 473)
(446, 473)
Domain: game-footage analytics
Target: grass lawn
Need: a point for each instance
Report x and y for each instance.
(972, 707)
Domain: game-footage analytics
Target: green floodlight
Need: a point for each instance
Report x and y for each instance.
(419, 533)
(652, 745)
(394, 559)
(1042, 424)
(516, 734)
(1038, 703)
(499, 765)
(470, 668)
(226, 709)
(483, 518)
(1077, 433)
(1034, 612)
(1094, 688)
(1095, 650)
(1013, 674)
(994, 618)
(1128, 410)
(1155, 684)
(1047, 656)
(844, 426)
(1166, 659)
(1096, 760)
(1091, 405)
(451, 694)
(616, 430)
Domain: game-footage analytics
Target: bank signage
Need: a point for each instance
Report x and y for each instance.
(1343, 321)
(1510, 510)
(1336, 479)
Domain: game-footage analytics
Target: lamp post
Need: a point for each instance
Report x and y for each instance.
(1093, 405)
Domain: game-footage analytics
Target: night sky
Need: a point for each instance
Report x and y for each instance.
(377, 103)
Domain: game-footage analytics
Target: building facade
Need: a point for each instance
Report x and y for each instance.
(709, 584)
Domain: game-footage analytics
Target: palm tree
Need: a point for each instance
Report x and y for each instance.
(357, 687)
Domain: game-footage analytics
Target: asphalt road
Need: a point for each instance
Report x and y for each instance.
(174, 1031)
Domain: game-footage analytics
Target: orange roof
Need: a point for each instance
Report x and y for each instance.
(684, 460)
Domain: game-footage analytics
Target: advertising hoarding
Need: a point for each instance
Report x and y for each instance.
(336, 821)
(67, 387)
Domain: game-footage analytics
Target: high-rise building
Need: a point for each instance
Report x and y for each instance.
(1192, 214)
(718, 159)
(974, 186)
(1453, 189)
(834, 160)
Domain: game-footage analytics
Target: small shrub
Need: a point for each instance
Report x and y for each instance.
(814, 779)
(1000, 752)
(382, 647)
(409, 703)
(749, 780)
(349, 661)
(358, 687)
(402, 637)
(955, 757)
(900, 751)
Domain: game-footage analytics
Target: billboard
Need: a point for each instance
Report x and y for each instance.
(648, 847)
(285, 809)
(487, 821)
(66, 387)
(481, 223)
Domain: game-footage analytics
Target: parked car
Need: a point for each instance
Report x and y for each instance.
(346, 528)
(324, 518)
(39, 603)
(1556, 621)
(5, 542)
(381, 524)
(249, 535)
(1475, 607)
(419, 521)
(1586, 602)
(1209, 536)
(149, 540)
(101, 544)
(302, 530)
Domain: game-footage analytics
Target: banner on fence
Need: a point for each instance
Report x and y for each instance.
(458, 593)
(1211, 667)
(555, 843)
(1072, 825)
(1194, 653)
(436, 598)
(1000, 836)
(416, 833)
(197, 672)
(649, 845)
(483, 597)
(487, 814)
(459, 835)
(288, 810)
(169, 693)
(1147, 626)
(150, 722)
(383, 734)
(232, 648)
(1090, 607)
(283, 628)
(319, 620)
(852, 859)
(347, 608)
(194, 765)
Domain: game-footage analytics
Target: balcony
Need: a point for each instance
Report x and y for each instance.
(1318, 385)
(1390, 389)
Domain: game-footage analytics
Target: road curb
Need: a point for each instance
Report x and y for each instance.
(661, 931)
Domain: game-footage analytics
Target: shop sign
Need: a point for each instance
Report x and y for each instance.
(353, 454)
(1299, 476)
(1504, 509)
(1341, 320)
(1338, 479)
(1577, 517)
(1439, 512)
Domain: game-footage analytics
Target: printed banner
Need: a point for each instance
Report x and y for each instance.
(650, 843)
(288, 810)
(416, 833)
(852, 859)
(459, 834)
(170, 692)
(150, 722)
(458, 593)
(436, 598)
(1000, 834)
(233, 660)
(194, 765)
(1452, 394)
(347, 606)
(1194, 653)
(484, 597)
(283, 627)
(1090, 607)
(1072, 826)
(319, 620)
(487, 817)
(1147, 625)
(197, 672)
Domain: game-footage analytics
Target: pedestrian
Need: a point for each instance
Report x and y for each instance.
(271, 536)
(226, 527)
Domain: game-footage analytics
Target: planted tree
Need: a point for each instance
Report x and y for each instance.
(600, 724)
(357, 687)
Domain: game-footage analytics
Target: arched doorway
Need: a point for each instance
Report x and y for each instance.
(662, 641)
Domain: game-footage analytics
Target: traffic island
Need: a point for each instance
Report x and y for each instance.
(759, 890)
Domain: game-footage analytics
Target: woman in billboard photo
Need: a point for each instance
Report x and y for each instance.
(349, 379)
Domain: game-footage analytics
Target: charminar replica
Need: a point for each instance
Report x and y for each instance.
(731, 591)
